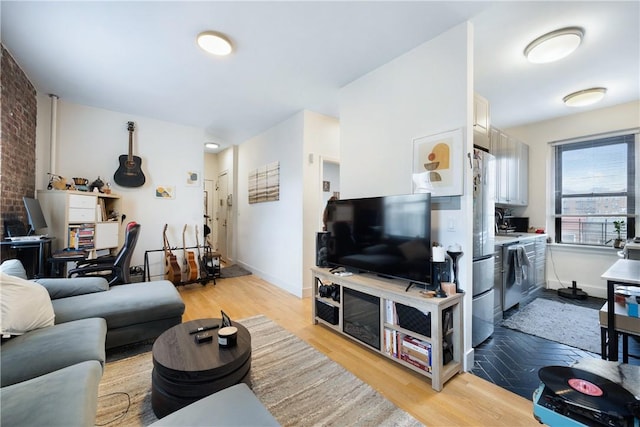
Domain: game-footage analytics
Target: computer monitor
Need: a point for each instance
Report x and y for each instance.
(34, 214)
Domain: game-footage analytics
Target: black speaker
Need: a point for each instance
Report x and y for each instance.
(327, 312)
(322, 239)
(413, 319)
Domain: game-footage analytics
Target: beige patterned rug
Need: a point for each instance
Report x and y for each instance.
(299, 385)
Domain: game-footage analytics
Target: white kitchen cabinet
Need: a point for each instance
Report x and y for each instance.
(79, 219)
(512, 168)
(481, 122)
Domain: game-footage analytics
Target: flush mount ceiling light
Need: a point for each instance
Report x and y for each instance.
(214, 43)
(584, 97)
(554, 45)
(212, 145)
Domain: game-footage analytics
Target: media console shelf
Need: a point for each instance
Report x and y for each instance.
(420, 333)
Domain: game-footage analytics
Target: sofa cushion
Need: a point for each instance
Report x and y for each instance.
(13, 267)
(67, 397)
(24, 305)
(49, 349)
(63, 288)
(233, 406)
(123, 305)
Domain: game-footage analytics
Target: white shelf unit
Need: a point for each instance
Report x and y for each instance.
(66, 211)
(393, 291)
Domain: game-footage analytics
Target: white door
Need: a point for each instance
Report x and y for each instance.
(222, 207)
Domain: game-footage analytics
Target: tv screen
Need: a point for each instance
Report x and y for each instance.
(390, 235)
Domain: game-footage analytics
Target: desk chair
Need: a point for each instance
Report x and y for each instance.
(114, 269)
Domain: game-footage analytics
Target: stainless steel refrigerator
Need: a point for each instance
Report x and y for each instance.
(484, 188)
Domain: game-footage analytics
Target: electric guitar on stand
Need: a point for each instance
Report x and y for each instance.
(129, 173)
(190, 268)
(171, 266)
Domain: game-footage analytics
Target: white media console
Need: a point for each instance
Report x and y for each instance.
(421, 333)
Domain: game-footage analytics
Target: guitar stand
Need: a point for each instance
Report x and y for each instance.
(211, 274)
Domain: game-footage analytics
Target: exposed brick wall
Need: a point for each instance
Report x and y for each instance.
(18, 107)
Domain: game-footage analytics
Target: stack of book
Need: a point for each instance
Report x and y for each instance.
(416, 352)
(81, 236)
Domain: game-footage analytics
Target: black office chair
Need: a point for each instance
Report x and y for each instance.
(114, 269)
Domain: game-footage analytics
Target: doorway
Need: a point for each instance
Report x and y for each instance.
(222, 207)
(330, 184)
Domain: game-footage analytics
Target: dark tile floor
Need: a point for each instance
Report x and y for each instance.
(511, 359)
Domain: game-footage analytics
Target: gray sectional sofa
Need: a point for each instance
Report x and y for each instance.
(50, 375)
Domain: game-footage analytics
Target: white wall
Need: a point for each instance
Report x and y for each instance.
(424, 92)
(269, 233)
(89, 142)
(566, 263)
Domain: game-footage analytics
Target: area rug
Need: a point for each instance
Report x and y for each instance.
(233, 271)
(567, 324)
(299, 385)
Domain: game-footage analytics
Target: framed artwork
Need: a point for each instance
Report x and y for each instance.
(165, 192)
(264, 183)
(193, 178)
(326, 186)
(438, 165)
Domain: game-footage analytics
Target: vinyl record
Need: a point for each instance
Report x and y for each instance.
(587, 389)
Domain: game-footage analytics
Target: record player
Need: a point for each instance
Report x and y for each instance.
(574, 397)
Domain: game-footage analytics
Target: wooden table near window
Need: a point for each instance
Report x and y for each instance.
(622, 272)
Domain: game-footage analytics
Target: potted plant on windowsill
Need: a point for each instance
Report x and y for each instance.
(618, 242)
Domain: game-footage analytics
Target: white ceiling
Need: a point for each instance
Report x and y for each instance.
(141, 57)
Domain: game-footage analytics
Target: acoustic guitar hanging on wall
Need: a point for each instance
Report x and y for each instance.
(129, 173)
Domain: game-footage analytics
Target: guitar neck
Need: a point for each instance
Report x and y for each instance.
(130, 127)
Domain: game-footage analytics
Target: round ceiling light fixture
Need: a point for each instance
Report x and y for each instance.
(585, 97)
(215, 43)
(554, 45)
(212, 145)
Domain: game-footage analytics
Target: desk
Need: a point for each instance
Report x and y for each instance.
(59, 261)
(622, 272)
(42, 245)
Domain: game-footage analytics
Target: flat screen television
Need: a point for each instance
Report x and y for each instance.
(389, 236)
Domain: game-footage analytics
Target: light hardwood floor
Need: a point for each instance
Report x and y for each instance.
(466, 400)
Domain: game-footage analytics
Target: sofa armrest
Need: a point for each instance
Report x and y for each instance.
(63, 288)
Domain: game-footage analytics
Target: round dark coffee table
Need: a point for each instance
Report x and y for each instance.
(185, 371)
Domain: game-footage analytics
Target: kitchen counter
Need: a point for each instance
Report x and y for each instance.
(517, 236)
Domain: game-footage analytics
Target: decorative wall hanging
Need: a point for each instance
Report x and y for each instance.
(165, 192)
(193, 178)
(438, 166)
(264, 183)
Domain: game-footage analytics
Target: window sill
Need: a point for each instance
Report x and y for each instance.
(609, 250)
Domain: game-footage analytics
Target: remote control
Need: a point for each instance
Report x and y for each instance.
(204, 337)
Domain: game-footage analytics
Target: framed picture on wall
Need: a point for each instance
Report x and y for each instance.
(438, 164)
(192, 178)
(165, 192)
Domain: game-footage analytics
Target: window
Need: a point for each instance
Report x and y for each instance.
(595, 188)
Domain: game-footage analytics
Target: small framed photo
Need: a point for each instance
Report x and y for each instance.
(326, 186)
(165, 192)
(193, 178)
